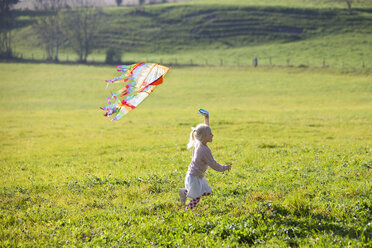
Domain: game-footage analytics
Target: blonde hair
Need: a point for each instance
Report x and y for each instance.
(197, 135)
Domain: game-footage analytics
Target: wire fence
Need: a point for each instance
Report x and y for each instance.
(263, 61)
(234, 61)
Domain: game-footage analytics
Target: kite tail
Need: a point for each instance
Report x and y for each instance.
(118, 116)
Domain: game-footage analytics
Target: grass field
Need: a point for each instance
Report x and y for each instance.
(299, 141)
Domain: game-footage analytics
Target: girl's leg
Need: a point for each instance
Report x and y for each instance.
(192, 204)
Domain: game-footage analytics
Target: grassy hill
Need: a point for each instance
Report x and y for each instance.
(204, 26)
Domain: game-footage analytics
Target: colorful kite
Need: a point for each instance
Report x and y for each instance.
(139, 81)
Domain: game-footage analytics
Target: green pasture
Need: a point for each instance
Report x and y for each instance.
(299, 141)
(336, 51)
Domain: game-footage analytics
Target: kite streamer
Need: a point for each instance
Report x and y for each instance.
(139, 81)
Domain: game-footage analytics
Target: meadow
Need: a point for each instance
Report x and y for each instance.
(299, 141)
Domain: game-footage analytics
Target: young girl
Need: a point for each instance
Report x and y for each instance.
(195, 184)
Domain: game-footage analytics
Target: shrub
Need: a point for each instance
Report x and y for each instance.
(113, 56)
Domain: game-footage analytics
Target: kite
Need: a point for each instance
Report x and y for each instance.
(139, 81)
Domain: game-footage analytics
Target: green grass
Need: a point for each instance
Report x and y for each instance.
(299, 141)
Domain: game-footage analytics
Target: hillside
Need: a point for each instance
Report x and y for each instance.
(223, 26)
(173, 28)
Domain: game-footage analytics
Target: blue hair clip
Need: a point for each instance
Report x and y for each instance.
(202, 112)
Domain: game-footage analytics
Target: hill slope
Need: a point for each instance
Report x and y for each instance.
(165, 29)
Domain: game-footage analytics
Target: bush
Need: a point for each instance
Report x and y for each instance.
(113, 56)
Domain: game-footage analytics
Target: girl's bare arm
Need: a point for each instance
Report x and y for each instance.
(206, 119)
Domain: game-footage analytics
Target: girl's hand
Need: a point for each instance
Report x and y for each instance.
(205, 113)
(228, 167)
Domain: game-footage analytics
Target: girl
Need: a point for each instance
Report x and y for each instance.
(195, 184)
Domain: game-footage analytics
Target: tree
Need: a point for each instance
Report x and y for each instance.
(6, 22)
(80, 27)
(349, 2)
(118, 2)
(48, 27)
(6, 4)
(50, 4)
(49, 32)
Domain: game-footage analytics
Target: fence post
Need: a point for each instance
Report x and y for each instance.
(270, 61)
(342, 64)
(221, 62)
(324, 63)
(363, 65)
(287, 62)
(176, 61)
(206, 62)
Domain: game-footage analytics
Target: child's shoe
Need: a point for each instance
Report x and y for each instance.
(182, 194)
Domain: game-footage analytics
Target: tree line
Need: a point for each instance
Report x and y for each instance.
(59, 24)
(74, 23)
(62, 24)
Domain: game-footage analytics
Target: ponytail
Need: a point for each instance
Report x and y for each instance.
(192, 139)
(197, 135)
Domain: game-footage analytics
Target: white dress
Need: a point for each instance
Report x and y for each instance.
(196, 186)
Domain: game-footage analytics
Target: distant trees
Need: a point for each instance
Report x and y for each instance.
(76, 27)
(81, 25)
(49, 28)
(6, 4)
(50, 4)
(118, 2)
(6, 22)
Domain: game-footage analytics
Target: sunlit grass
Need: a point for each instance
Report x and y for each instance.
(299, 141)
